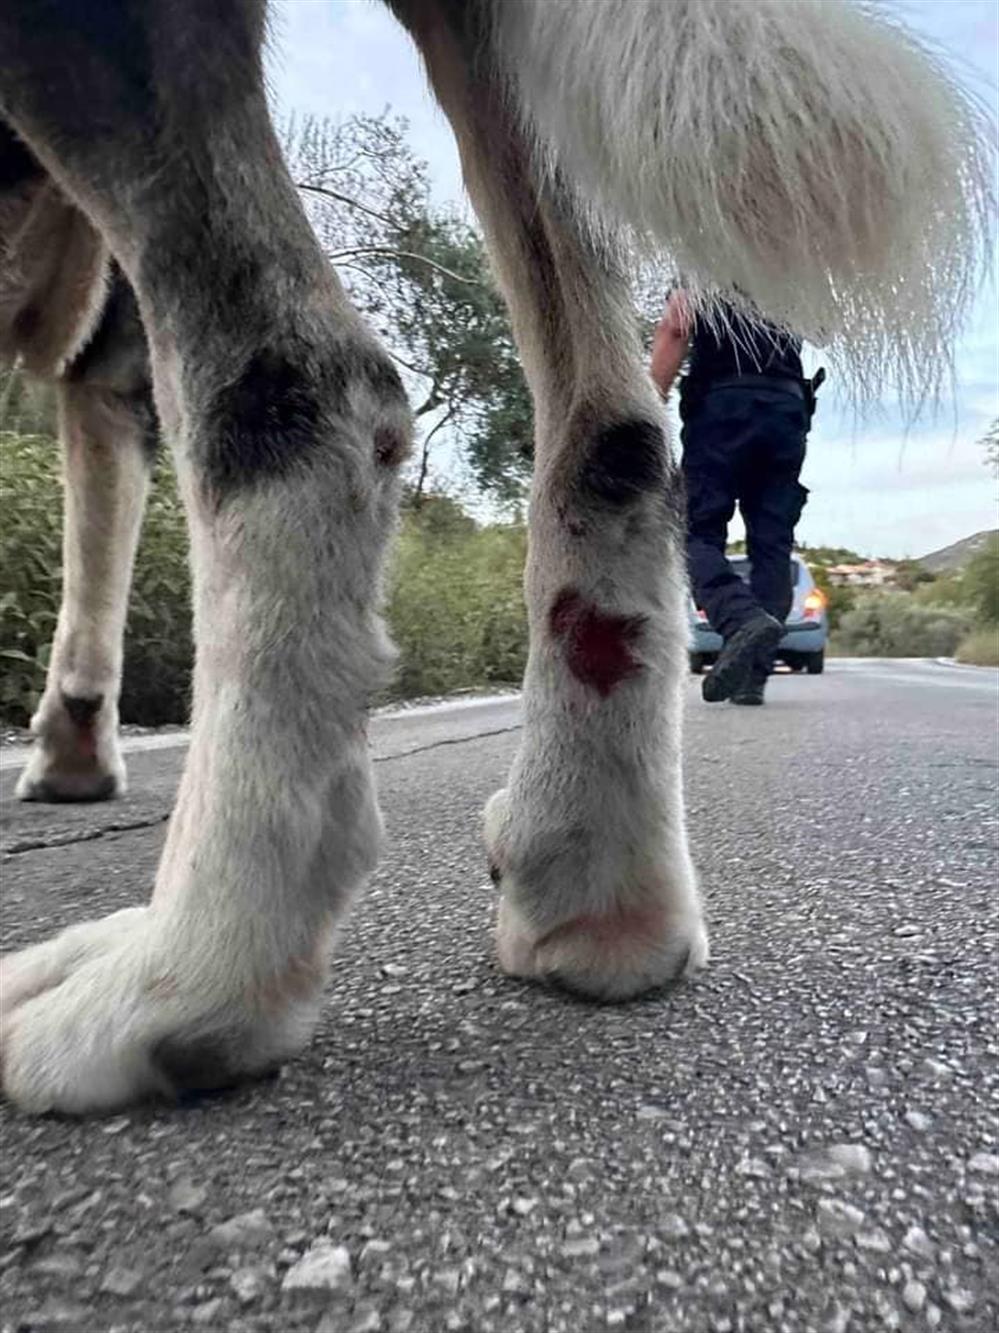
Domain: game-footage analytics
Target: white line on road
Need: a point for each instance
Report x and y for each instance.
(14, 757)
(938, 672)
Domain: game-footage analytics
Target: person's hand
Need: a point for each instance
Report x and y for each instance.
(670, 341)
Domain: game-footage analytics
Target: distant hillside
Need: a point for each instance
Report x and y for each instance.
(956, 556)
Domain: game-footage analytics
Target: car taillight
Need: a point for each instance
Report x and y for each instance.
(815, 603)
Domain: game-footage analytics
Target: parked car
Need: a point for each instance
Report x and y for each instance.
(806, 628)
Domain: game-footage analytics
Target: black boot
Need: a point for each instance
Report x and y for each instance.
(753, 642)
(751, 693)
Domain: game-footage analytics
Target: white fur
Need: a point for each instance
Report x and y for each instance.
(653, 871)
(589, 833)
(592, 823)
(85, 1012)
(811, 153)
(276, 823)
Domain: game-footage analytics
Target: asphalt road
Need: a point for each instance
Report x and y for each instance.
(804, 1138)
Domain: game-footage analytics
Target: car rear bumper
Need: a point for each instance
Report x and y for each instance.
(804, 639)
(798, 638)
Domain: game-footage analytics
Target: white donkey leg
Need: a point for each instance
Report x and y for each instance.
(286, 422)
(587, 842)
(108, 432)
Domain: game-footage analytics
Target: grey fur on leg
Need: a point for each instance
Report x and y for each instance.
(287, 424)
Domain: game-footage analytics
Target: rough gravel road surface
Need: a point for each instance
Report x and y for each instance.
(805, 1138)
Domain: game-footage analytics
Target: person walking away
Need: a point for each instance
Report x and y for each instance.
(746, 409)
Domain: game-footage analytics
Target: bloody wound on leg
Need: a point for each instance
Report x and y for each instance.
(598, 646)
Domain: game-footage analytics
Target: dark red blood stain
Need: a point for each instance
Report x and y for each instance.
(598, 647)
(86, 741)
(83, 714)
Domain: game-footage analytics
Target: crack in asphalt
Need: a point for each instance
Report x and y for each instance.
(451, 740)
(71, 838)
(86, 835)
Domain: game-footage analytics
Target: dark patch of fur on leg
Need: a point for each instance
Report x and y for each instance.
(625, 462)
(262, 424)
(194, 1064)
(280, 409)
(82, 711)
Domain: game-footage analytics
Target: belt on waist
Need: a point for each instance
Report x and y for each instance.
(780, 383)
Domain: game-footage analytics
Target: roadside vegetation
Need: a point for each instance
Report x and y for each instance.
(952, 615)
(980, 648)
(454, 602)
(955, 614)
(891, 624)
(453, 595)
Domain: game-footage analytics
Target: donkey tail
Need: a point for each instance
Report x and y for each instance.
(811, 155)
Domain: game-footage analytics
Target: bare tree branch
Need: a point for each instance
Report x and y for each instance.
(356, 268)
(336, 255)
(324, 192)
(417, 370)
(338, 168)
(425, 454)
(432, 401)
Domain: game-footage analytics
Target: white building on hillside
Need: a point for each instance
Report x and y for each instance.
(868, 574)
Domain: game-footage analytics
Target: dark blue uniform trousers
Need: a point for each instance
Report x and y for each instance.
(743, 446)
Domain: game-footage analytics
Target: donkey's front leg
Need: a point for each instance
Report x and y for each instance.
(286, 423)
(588, 841)
(276, 824)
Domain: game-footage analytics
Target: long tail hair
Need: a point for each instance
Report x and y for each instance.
(810, 155)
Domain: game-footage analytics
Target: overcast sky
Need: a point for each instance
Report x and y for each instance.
(875, 487)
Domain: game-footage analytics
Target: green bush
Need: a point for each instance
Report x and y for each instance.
(981, 579)
(455, 605)
(158, 647)
(975, 587)
(30, 562)
(980, 648)
(896, 625)
(945, 590)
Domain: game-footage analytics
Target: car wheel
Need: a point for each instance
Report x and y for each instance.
(816, 663)
(696, 664)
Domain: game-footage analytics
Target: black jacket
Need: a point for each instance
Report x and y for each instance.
(743, 349)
